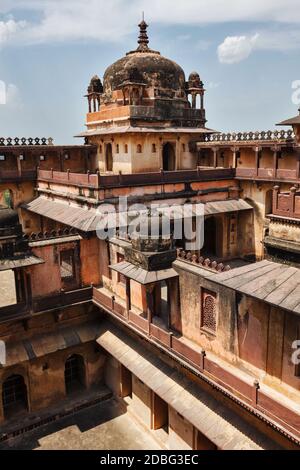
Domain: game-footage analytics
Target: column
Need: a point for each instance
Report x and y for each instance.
(234, 151)
(276, 191)
(177, 153)
(275, 161)
(128, 296)
(202, 100)
(150, 303)
(298, 163)
(215, 157)
(293, 197)
(257, 155)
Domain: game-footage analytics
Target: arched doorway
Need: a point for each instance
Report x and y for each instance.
(109, 158)
(74, 373)
(14, 396)
(169, 157)
(6, 198)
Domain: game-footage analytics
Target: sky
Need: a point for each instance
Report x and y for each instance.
(246, 52)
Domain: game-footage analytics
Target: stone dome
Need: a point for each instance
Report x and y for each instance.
(8, 217)
(195, 80)
(95, 85)
(145, 66)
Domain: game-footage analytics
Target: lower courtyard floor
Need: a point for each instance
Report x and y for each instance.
(100, 427)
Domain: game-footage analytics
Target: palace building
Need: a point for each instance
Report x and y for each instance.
(197, 345)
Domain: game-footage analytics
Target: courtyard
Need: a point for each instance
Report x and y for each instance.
(105, 426)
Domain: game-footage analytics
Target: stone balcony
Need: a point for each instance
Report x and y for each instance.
(99, 181)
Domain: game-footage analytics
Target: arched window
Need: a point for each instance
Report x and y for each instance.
(6, 198)
(126, 148)
(139, 148)
(109, 158)
(153, 148)
(74, 373)
(209, 311)
(14, 396)
(117, 148)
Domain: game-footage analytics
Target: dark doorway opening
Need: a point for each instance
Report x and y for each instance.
(14, 396)
(160, 413)
(269, 202)
(203, 443)
(74, 374)
(209, 248)
(168, 157)
(109, 158)
(126, 382)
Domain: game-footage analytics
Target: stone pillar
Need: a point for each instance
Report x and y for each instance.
(298, 163)
(234, 156)
(275, 160)
(19, 165)
(293, 197)
(128, 297)
(150, 303)
(202, 100)
(276, 190)
(257, 155)
(215, 157)
(177, 154)
(160, 154)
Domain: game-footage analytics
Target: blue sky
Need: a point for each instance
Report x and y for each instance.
(247, 54)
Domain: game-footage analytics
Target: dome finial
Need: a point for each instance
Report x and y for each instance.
(143, 40)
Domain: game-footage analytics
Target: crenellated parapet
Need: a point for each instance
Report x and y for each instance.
(250, 136)
(200, 261)
(9, 141)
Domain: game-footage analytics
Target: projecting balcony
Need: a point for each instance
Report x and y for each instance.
(23, 310)
(15, 176)
(286, 204)
(137, 179)
(266, 174)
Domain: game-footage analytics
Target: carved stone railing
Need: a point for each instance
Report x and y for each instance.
(135, 179)
(53, 301)
(245, 391)
(9, 141)
(66, 177)
(286, 204)
(189, 257)
(250, 136)
(17, 175)
(40, 236)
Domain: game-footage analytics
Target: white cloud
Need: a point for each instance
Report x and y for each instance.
(49, 21)
(10, 96)
(236, 48)
(9, 29)
(2, 92)
(13, 97)
(213, 85)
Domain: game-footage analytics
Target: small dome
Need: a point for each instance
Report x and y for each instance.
(95, 85)
(195, 80)
(8, 217)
